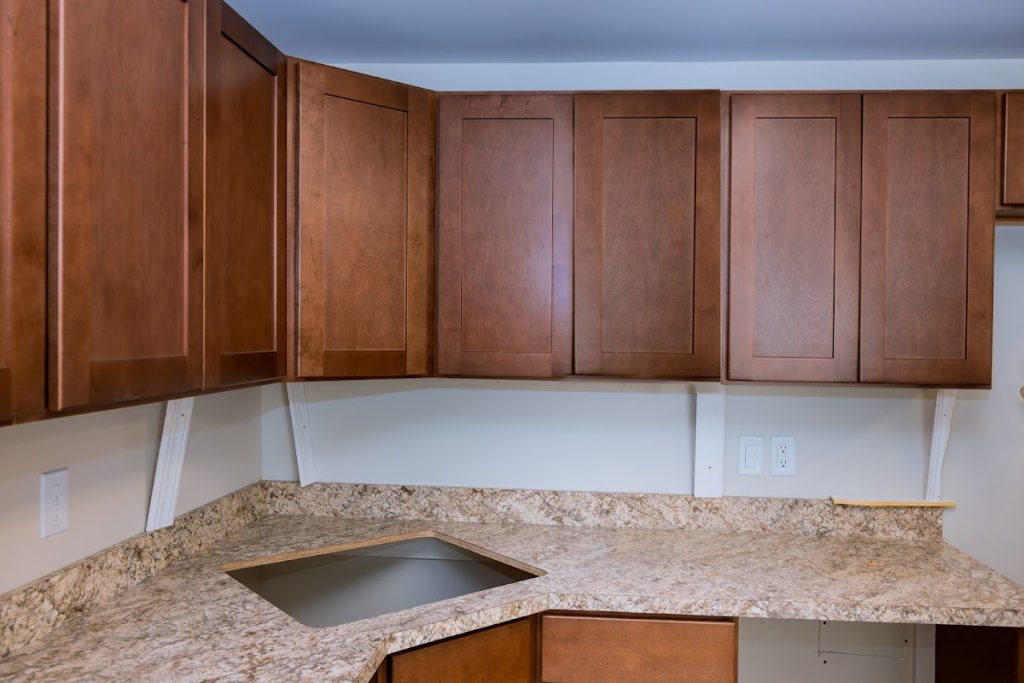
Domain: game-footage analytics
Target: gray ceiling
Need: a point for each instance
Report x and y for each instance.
(337, 31)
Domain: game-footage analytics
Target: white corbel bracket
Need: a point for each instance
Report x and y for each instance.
(709, 442)
(169, 462)
(945, 401)
(300, 433)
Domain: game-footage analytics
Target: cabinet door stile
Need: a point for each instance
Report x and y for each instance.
(647, 235)
(928, 234)
(22, 208)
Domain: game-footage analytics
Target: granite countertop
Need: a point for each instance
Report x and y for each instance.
(193, 622)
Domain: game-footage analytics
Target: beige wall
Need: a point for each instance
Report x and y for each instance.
(111, 457)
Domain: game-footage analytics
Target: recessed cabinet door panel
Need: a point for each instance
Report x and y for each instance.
(647, 238)
(126, 184)
(245, 219)
(505, 235)
(794, 238)
(928, 230)
(365, 225)
(22, 207)
(1013, 150)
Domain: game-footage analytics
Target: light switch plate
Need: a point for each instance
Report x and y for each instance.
(783, 462)
(53, 503)
(749, 456)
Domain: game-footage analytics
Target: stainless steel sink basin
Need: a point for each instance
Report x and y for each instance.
(331, 587)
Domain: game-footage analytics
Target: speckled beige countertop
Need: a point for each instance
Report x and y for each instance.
(193, 622)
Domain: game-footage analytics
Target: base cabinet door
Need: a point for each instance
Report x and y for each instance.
(505, 198)
(125, 200)
(592, 649)
(927, 236)
(647, 235)
(501, 654)
(245, 217)
(794, 237)
(22, 208)
(365, 225)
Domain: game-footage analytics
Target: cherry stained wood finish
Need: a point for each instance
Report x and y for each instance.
(794, 237)
(1013, 148)
(500, 654)
(125, 200)
(245, 216)
(22, 208)
(505, 221)
(647, 235)
(927, 238)
(584, 649)
(965, 654)
(366, 150)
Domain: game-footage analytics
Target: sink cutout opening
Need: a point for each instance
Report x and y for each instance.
(332, 587)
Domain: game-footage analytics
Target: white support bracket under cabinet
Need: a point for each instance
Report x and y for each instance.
(300, 433)
(945, 401)
(169, 462)
(709, 442)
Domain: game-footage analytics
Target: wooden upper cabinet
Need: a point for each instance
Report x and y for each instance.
(245, 211)
(22, 208)
(125, 200)
(927, 238)
(794, 237)
(505, 221)
(1013, 149)
(365, 228)
(647, 235)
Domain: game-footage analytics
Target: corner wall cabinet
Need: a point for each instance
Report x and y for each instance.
(365, 225)
(245, 208)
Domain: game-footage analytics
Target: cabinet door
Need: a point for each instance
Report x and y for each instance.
(501, 654)
(1013, 148)
(125, 214)
(927, 238)
(794, 237)
(579, 649)
(365, 276)
(505, 189)
(647, 235)
(245, 216)
(22, 207)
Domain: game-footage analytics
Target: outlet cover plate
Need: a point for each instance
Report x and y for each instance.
(53, 502)
(783, 458)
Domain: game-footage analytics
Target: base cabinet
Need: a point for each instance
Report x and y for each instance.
(964, 654)
(577, 648)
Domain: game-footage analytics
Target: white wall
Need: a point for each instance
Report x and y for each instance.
(111, 457)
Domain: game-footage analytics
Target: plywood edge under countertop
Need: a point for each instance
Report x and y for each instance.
(851, 502)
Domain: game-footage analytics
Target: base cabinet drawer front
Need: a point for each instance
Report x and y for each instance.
(501, 654)
(611, 649)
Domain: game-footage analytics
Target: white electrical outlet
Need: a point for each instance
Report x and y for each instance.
(783, 463)
(748, 456)
(53, 503)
